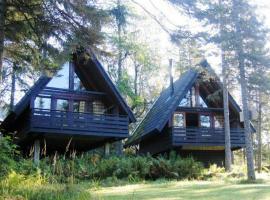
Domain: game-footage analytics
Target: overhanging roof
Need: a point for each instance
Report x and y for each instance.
(88, 69)
(159, 114)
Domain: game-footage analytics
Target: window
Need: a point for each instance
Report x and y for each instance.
(205, 121)
(219, 121)
(202, 102)
(62, 105)
(186, 101)
(193, 97)
(61, 80)
(79, 106)
(42, 103)
(179, 119)
(77, 83)
(98, 107)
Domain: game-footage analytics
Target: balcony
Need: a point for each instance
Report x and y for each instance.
(76, 123)
(206, 137)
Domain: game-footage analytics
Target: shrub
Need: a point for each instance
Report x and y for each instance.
(91, 166)
(8, 153)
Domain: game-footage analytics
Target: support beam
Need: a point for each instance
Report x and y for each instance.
(36, 152)
(107, 149)
(119, 147)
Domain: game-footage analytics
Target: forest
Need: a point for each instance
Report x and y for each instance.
(145, 49)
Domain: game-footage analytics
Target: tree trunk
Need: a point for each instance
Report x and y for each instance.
(3, 7)
(13, 85)
(248, 139)
(136, 71)
(259, 134)
(244, 90)
(228, 156)
(120, 52)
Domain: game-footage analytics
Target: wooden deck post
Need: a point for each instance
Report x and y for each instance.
(36, 151)
(232, 155)
(107, 149)
(119, 147)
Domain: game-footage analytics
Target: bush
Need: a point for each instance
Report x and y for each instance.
(91, 166)
(8, 154)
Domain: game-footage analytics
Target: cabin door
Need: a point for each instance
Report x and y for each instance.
(192, 120)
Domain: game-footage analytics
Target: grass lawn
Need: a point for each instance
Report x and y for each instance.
(158, 190)
(186, 190)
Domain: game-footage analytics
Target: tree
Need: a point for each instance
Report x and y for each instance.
(248, 31)
(213, 15)
(30, 24)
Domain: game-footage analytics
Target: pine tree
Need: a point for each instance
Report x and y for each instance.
(214, 14)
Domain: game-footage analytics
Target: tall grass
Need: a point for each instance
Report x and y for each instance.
(21, 179)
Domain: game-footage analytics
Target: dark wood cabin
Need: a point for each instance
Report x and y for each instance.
(187, 117)
(79, 107)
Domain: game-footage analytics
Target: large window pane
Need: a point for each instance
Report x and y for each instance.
(186, 101)
(42, 103)
(179, 120)
(61, 79)
(202, 102)
(62, 105)
(77, 83)
(205, 121)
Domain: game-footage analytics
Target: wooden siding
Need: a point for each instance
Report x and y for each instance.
(206, 137)
(49, 121)
(157, 143)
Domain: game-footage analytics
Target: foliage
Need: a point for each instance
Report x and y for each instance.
(91, 166)
(8, 153)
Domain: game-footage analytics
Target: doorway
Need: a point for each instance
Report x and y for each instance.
(192, 120)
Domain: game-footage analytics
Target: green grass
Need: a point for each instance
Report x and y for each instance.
(229, 189)
(186, 190)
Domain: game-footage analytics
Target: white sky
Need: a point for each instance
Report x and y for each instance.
(172, 17)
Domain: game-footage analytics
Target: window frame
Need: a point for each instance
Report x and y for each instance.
(184, 119)
(210, 120)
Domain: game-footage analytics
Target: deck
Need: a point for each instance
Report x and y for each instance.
(206, 137)
(76, 123)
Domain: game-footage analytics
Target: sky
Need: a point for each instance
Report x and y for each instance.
(171, 17)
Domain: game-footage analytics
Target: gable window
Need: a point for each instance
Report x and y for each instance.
(42, 103)
(62, 105)
(202, 102)
(186, 101)
(61, 79)
(205, 121)
(179, 119)
(77, 83)
(219, 121)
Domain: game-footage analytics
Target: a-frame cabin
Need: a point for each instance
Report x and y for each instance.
(79, 107)
(187, 117)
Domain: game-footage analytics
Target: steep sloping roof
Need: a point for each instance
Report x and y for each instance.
(163, 107)
(25, 101)
(92, 69)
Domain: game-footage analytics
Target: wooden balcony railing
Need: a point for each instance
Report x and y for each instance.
(206, 136)
(53, 121)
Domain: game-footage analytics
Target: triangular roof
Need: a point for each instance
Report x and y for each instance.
(160, 112)
(89, 66)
